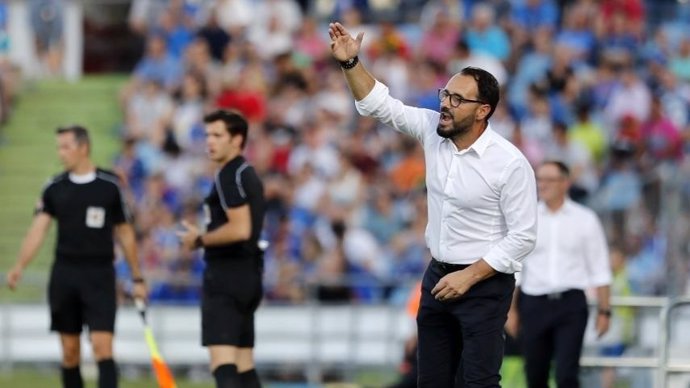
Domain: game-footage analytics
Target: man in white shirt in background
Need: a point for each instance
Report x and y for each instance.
(482, 217)
(550, 308)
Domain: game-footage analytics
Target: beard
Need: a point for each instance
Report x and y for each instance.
(456, 128)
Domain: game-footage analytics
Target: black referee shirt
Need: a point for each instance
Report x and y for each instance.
(85, 213)
(236, 184)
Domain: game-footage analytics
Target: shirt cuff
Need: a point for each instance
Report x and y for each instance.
(368, 104)
(600, 281)
(501, 262)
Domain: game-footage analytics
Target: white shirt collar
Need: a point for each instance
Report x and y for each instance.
(83, 178)
(564, 209)
(481, 144)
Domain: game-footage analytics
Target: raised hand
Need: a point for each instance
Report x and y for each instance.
(343, 45)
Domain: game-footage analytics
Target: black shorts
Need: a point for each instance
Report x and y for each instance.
(231, 294)
(81, 296)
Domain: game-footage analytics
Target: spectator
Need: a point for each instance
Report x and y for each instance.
(130, 168)
(275, 23)
(235, 16)
(530, 68)
(583, 175)
(623, 319)
(46, 17)
(157, 65)
(588, 133)
(143, 15)
(187, 115)
(215, 36)
(532, 15)
(178, 31)
(680, 63)
(577, 33)
(381, 217)
(630, 97)
(408, 172)
(148, 115)
(462, 57)
(485, 36)
(438, 39)
(310, 43)
(662, 139)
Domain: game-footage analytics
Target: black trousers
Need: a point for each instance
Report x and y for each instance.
(553, 328)
(461, 341)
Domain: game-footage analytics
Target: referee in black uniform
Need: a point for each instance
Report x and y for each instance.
(89, 207)
(232, 287)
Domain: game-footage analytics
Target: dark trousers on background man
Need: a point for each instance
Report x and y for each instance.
(552, 328)
(461, 341)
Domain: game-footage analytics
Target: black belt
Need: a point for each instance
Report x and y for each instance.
(447, 267)
(557, 295)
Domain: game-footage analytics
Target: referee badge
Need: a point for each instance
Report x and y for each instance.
(95, 217)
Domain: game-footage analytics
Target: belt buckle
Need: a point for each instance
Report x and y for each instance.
(443, 266)
(554, 296)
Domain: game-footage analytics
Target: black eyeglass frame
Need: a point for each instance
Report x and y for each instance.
(443, 93)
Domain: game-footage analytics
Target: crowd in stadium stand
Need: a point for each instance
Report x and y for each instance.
(592, 83)
(9, 73)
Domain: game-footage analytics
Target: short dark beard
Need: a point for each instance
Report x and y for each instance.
(451, 133)
(457, 129)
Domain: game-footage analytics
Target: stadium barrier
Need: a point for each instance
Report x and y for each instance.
(661, 341)
(314, 339)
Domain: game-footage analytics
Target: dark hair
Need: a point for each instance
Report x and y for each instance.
(561, 166)
(235, 123)
(81, 134)
(486, 85)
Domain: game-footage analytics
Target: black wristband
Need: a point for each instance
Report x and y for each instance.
(138, 280)
(198, 242)
(606, 312)
(350, 63)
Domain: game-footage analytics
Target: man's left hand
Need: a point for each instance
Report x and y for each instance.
(456, 284)
(188, 236)
(602, 325)
(453, 285)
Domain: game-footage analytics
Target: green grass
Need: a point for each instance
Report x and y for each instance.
(50, 378)
(28, 157)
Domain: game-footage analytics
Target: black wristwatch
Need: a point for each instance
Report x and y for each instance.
(605, 312)
(198, 242)
(350, 63)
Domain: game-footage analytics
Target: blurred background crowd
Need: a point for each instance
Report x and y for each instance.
(602, 85)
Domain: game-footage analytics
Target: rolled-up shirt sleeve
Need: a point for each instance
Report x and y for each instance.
(519, 207)
(596, 252)
(406, 119)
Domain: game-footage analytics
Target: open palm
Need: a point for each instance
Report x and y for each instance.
(343, 45)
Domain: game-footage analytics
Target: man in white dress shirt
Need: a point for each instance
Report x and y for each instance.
(482, 218)
(571, 255)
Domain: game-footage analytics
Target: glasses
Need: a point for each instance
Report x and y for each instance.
(455, 99)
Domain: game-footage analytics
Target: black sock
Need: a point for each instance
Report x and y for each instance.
(107, 374)
(71, 377)
(250, 379)
(226, 376)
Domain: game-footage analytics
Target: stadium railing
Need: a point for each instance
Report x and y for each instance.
(316, 339)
